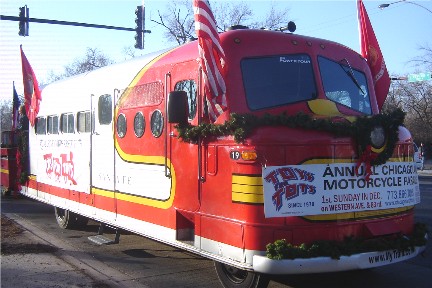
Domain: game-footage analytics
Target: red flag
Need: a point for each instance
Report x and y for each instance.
(212, 58)
(15, 108)
(372, 52)
(32, 93)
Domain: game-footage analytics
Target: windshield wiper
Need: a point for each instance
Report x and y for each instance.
(350, 74)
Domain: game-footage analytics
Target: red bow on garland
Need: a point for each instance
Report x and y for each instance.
(367, 157)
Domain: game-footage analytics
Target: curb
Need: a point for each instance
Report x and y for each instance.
(81, 262)
(425, 172)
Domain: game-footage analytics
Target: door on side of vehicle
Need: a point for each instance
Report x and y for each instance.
(102, 157)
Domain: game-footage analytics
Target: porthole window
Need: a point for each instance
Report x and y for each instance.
(156, 123)
(139, 124)
(121, 125)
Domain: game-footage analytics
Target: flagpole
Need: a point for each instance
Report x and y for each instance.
(13, 106)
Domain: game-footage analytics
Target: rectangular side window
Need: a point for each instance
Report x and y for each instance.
(67, 123)
(190, 87)
(105, 109)
(71, 123)
(83, 122)
(52, 124)
(63, 123)
(55, 124)
(41, 125)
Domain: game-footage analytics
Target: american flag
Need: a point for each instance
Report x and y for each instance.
(372, 52)
(212, 58)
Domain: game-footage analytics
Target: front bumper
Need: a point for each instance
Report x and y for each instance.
(262, 264)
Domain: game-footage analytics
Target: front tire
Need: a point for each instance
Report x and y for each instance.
(69, 220)
(232, 277)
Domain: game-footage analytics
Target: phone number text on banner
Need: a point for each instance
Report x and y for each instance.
(298, 190)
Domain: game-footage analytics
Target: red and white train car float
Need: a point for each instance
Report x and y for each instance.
(131, 145)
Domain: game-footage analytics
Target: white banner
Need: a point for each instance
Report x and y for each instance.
(298, 190)
(64, 162)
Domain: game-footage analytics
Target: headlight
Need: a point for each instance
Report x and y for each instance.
(377, 137)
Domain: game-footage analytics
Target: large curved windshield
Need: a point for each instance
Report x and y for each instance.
(345, 85)
(278, 80)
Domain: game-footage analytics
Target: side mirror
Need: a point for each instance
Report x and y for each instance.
(178, 107)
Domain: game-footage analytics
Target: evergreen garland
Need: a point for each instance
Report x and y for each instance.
(242, 125)
(280, 249)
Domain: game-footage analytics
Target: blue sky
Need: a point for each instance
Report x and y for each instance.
(401, 29)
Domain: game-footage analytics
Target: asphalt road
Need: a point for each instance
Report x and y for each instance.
(154, 264)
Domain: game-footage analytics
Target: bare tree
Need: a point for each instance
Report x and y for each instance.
(52, 77)
(129, 52)
(425, 59)
(92, 60)
(178, 21)
(416, 100)
(6, 115)
(231, 14)
(275, 19)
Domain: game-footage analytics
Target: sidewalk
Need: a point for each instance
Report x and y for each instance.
(32, 258)
(28, 261)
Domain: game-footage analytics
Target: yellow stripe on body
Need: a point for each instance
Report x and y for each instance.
(102, 192)
(247, 189)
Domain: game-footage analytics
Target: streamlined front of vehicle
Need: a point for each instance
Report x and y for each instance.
(314, 168)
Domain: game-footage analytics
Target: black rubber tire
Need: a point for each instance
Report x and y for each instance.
(232, 277)
(69, 220)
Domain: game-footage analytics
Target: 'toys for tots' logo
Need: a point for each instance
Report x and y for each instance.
(290, 182)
